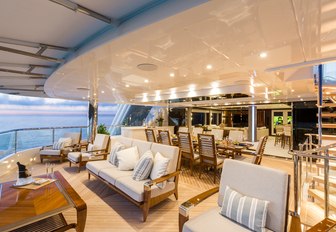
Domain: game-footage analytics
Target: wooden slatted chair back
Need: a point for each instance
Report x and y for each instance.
(185, 145)
(260, 150)
(164, 137)
(150, 135)
(207, 149)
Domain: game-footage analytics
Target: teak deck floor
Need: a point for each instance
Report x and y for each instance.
(108, 211)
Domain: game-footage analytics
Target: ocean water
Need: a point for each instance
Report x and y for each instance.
(36, 138)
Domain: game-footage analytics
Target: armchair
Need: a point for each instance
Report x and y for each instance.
(96, 151)
(251, 180)
(70, 142)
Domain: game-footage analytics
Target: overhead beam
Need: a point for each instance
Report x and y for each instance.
(23, 72)
(79, 8)
(24, 53)
(32, 44)
(4, 64)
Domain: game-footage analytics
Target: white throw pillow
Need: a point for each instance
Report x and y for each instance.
(159, 168)
(117, 146)
(127, 158)
(66, 141)
(58, 145)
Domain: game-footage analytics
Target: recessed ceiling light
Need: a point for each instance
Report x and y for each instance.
(299, 96)
(113, 89)
(292, 90)
(215, 104)
(147, 67)
(127, 86)
(146, 81)
(328, 93)
(83, 97)
(88, 96)
(301, 99)
(209, 66)
(172, 74)
(94, 94)
(102, 91)
(263, 55)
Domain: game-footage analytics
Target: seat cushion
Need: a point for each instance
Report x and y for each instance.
(112, 173)
(212, 221)
(50, 152)
(74, 156)
(135, 189)
(97, 166)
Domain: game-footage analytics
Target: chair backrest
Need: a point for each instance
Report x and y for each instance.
(236, 135)
(164, 137)
(207, 149)
(185, 144)
(183, 129)
(218, 133)
(150, 135)
(279, 128)
(262, 183)
(260, 150)
(75, 137)
(287, 130)
(101, 141)
(197, 130)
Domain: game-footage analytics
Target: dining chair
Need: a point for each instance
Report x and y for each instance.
(279, 132)
(257, 154)
(287, 134)
(218, 133)
(150, 135)
(187, 149)
(183, 129)
(236, 135)
(208, 154)
(164, 137)
(196, 131)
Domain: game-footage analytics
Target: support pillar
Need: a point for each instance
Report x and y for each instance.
(92, 119)
(188, 117)
(252, 123)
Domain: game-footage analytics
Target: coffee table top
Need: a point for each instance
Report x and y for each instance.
(19, 207)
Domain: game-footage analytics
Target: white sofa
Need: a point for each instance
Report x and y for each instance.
(145, 193)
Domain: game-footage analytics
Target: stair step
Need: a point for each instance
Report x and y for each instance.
(320, 179)
(329, 105)
(320, 196)
(328, 125)
(332, 166)
(328, 115)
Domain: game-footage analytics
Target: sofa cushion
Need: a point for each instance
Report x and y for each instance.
(117, 146)
(112, 173)
(159, 168)
(170, 152)
(212, 221)
(66, 141)
(58, 145)
(97, 166)
(74, 156)
(127, 158)
(144, 166)
(135, 189)
(248, 211)
(142, 146)
(50, 152)
(121, 139)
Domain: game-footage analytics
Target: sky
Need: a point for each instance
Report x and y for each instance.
(20, 105)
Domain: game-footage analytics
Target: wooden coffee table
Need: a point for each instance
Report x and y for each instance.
(27, 210)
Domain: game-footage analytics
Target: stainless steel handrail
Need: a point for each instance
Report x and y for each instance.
(298, 172)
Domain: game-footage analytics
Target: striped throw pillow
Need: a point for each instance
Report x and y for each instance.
(58, 145)
(248, 211)
(144, 166)
(117, 146)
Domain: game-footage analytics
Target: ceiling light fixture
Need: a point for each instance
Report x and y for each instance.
(263, 55)
(209, 67)
(102, 91)
(146, 81)
(172, 74)
(147, 67)
(127, 86)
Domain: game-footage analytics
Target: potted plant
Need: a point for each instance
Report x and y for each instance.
(101, 129)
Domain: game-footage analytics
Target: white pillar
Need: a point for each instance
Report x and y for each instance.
(92, 119)
(252, 123)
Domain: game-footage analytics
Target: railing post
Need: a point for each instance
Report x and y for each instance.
(326, 184)
(15, 142)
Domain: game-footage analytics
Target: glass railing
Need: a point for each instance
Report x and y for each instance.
(13, 141)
